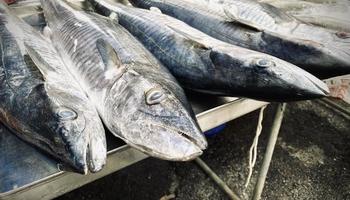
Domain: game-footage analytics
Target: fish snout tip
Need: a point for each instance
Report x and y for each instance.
(164, 141)
(185, 145)
(320, 88)
(91, 157)
(96, 153)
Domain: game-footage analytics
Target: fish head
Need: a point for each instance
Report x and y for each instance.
(324, 53)
(76, 134)
(150, 117)
(268, 78)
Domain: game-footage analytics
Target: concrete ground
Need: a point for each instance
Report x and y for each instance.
(311, 161)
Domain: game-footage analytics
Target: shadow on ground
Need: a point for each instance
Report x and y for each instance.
(311, 161)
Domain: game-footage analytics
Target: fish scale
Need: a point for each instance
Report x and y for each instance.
(86, 36)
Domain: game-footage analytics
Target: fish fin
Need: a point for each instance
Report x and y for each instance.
(47, 32)
(277, 14)
(190, 39)
(197, 45)
(155, 9)
(41, 65)
(272, 16)
(114, 17)
(109, 56)
(232, 14)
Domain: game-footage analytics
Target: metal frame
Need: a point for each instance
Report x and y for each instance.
(260, 183)
(277, 122)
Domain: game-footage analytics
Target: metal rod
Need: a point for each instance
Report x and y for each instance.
(216, 179)
(269, 151)
(339, 110)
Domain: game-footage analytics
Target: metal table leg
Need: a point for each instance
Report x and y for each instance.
(269, 151)
(216, 179)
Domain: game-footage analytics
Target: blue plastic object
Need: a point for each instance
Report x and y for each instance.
(215, 131)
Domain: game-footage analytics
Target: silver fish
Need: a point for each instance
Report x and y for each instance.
(328, 15)
(205, 64)
(41, 101)
(264, 28)
(137, 98)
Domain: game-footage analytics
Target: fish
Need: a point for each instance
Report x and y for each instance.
(137, 98)
(42, 103)
(262, 27)
(205, 64)
(328, 15)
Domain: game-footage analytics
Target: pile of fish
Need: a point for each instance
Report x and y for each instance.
(124, 67)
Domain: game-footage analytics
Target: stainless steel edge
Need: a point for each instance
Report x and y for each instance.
(64, 182)
(227, 112)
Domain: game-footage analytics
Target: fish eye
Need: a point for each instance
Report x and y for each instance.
(154, 96)
(264, 63)
(67, 114)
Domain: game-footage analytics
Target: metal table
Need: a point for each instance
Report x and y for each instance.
(26, 173)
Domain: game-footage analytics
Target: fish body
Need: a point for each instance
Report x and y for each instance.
(264, 28)
(137, 98)
(328, 15)
(205, 64)
(42, 103)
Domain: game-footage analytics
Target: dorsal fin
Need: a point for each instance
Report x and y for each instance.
(108, 55)
(40, 63)
(189, 38)
(114, 17)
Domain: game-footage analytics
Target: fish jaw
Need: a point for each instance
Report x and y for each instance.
(97, 151)
(164, 142)
(91, 154)
(149, 117)
(87, 154)
(266, 77)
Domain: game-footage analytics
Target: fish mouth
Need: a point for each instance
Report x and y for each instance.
(308, 86)
(199, 141)
(321, 87)
(88, 152)
(88, 160)
(96, 155)
(167, 143)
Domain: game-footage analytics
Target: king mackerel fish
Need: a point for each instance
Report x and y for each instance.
(205, 64)
(137, 98)
(263, 28)
(42, 103)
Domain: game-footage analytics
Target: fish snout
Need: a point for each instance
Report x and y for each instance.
(87, 155)
(84, 142)
(164, 141)
(305, 85)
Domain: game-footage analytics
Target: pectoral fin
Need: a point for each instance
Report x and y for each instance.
(108, 55)
(34, 59)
